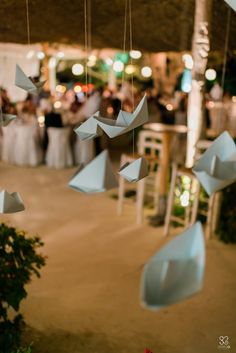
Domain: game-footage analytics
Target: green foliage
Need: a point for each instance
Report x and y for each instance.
(19, 260)
(227, 223)
(25, 350)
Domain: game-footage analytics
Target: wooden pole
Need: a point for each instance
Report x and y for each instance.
(200, 49)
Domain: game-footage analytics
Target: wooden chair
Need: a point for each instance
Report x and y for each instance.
(149, 146)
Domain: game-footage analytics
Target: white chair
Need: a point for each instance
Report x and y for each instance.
(84, 151)
(59, 153)
(149, 146)
(27, 149)
(8, 142)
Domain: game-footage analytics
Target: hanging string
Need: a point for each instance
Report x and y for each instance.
(86, 45)
(27, 21)
(131, 63)
(89, 37)
(124, 45)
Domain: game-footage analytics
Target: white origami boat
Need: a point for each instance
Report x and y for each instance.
(96, 176)
(216, 169)
(26, 83)
(89, 129)
(125, 122)
(10, 203)
(135, 171)
(176, 271)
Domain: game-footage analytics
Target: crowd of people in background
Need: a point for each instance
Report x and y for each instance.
(71, 108)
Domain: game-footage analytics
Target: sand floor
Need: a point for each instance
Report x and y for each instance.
(87, 299)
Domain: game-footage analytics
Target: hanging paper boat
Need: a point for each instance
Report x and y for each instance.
(89, 129)
(6, 119)
(216, 169)
(231, 3)
(10, 203)
(96, 176)
(26, 83)
(125, 122)
(135, 171)
(176, 271)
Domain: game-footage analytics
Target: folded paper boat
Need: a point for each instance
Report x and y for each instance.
(26, 83)
(96, 176)
(176, 271)
(135, 171)
(216, 169)
(10, 203)
(89, 129)
(125, 122)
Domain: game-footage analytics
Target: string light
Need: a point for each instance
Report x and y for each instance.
(57, 105)
(210, 74)
(146, 71)
(77, 89)
(135, 54)
(169, 106)
(118, 66)
(130, 69)
(109, 61)
(40, 55)
(60, 89)
(77, 69)
(188, 61)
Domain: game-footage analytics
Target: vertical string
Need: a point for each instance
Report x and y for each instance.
(89, 36)
(124, 45)
(27, 21)
(131, 62)
(86, 45)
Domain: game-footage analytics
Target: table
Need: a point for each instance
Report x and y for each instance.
(168, 131)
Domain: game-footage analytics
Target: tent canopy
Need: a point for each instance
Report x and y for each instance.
(158, 25)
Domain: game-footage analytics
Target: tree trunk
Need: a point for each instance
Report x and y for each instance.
(200, 49)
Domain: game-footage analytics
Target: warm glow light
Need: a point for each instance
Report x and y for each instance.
(211, 104)
(91, 63)
(210, 74)
(109, 61)
(130, 69)
(60, 89)
(92, 58)
(77, 69)
(118, 66)
(234, 99)
(77, 89)
(57, 105)
(40, 55)
(52, 63)
(41, 120)
(188, 61)
(169, 107)
(146, 71)
(184, 198)
(135, 54)
(60, 54)
(30, 54)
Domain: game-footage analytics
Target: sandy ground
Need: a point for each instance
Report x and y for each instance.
(87, 299)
